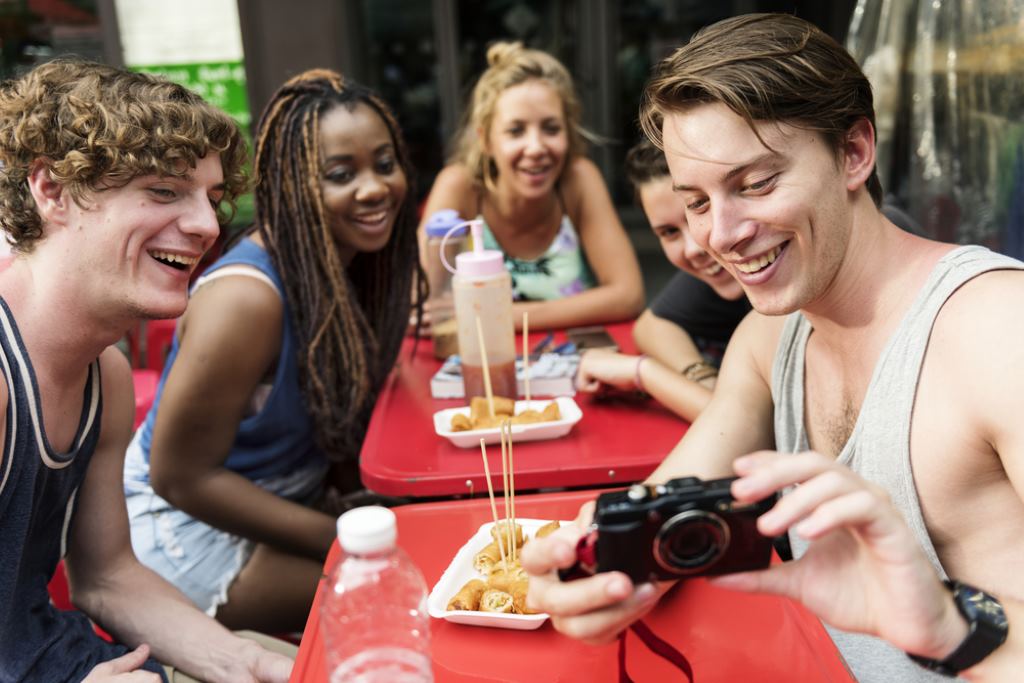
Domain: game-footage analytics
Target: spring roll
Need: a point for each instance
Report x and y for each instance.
(500, 530)
(488, 422)
(528, 417)
(487, 559)
(503, 579)
(468, 597)
(461, 423)
(548, 529)
(502, 406)
(519, 590)
(551, 412)
(496, 601)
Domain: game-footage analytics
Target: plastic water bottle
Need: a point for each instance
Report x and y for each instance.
(374, 615)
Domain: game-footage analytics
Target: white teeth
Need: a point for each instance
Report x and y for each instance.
(373, 218)
(174, 258)
(757, 264)
(713, 269)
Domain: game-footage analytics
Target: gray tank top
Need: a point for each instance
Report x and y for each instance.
(879, 446)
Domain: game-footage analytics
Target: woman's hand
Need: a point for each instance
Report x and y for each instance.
(864, 570)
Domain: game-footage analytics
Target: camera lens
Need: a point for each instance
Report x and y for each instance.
(691, 542)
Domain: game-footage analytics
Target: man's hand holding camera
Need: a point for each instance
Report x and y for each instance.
(862, 572)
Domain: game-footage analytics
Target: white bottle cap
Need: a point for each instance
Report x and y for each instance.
(369, 529)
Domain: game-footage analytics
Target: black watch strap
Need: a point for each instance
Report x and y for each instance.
(987, 629)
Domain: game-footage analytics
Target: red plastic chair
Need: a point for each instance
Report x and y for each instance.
(148, 343)
(145, 382)
(159, 337)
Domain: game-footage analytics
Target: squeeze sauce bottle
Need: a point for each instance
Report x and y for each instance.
(483, 288)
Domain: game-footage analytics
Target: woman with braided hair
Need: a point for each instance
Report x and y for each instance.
(278, 360)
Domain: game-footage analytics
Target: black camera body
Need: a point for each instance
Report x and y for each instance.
(685, 527)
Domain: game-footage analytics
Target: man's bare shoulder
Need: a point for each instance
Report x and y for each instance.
(985, 312)
(759, 334)
(118, 393)
(975, 344)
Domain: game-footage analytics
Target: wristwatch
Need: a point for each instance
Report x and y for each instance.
(987, 629)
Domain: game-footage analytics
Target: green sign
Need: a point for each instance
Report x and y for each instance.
(221, 84)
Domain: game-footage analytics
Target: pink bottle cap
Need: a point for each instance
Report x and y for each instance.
(479, 263)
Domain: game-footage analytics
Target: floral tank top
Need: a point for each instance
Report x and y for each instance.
(562, 270)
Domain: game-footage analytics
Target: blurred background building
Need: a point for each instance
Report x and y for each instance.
(947, 75)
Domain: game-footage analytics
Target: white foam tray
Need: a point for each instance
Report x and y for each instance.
(536, 431)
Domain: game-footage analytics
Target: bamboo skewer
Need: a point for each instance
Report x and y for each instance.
(526, 356)
(512, 487)
(509, 534)
(494, 509)
(487, 370)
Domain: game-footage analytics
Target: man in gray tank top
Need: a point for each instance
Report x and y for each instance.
(878, 381)
(111, 185)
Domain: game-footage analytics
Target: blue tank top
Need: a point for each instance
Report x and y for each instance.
(38, 486)
(279, 438)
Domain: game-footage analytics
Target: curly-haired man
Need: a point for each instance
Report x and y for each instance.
(110, 189)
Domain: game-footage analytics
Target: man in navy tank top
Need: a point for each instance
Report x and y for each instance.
(112, 186)
(877, 383)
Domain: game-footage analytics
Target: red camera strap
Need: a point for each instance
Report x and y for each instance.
(656, 645)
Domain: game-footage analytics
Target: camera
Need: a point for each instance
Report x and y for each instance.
(685, 527)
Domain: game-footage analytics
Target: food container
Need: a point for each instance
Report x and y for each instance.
(461, 570)
(534, 431)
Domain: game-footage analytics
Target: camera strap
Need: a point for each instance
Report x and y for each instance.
(656, 645)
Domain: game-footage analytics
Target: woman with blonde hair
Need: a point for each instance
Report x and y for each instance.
(519, 164)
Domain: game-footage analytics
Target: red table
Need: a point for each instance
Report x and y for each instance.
(726, 636)
(614, 443)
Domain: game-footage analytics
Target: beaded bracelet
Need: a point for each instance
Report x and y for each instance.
(699, 371)
(637, 380)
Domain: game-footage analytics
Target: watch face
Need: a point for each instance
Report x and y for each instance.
(987, 630)
(981, 605)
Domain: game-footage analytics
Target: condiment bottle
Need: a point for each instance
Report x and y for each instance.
(441, 303)
(482, 289)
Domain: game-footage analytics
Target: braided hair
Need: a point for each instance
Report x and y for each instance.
(349, 322)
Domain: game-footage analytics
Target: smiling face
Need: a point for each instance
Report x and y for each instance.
(779, 220)
(528, 139)
(666, 212)
(137, 245)
(362, 183)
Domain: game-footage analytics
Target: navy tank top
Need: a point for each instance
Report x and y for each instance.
(37, 507)
(277, 440)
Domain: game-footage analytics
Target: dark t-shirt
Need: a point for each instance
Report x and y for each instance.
(695, 307)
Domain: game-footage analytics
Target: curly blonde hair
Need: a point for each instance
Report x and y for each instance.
(97, 127)
(510, 64)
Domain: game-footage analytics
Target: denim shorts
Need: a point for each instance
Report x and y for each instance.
(200, 560)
